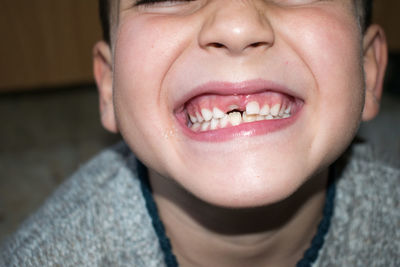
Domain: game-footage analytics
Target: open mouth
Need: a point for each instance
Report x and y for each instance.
(213, 112)
(218, 116)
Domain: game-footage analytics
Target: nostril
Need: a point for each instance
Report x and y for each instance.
(258, 44)
(216, 45)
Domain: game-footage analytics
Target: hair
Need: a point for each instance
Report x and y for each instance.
(364, 14)
(104, 12)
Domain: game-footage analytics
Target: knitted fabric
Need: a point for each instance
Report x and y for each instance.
(309, 257)
(165, 244)
(99, 218)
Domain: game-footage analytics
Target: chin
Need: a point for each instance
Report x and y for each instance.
(242, 185)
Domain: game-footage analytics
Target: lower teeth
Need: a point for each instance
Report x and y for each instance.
(233, 119)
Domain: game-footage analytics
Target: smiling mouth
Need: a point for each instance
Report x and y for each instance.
(222, 111)
(213, 112)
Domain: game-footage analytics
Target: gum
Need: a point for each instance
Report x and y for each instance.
(227, 103)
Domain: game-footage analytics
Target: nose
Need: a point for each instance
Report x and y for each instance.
(236, 27)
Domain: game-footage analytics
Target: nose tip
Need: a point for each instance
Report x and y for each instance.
(236, 30)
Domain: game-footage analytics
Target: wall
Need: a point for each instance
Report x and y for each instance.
(387, 14)
(46, 43)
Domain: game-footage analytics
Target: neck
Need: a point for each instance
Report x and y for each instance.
(206, 235)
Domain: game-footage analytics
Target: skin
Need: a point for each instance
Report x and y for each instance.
(249, 201)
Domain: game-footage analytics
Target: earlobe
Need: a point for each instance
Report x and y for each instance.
(102, 68)
(375, 61)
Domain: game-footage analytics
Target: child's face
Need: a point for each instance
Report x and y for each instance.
(173, 58)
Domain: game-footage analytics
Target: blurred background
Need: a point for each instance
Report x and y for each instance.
(48, 100)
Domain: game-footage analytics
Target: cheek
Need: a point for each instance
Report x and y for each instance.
(142, 58)
(137, 82)
(340, 77)
(333, 57)
(145, 50)
(338, 74)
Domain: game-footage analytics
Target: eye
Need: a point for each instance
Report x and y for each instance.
(160, 2)
(295, 2)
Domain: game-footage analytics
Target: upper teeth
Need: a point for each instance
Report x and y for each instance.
(217, 113)
(207, 114)
(275, 109)
(264, 110)
(253, 108)
(211, 120)
(235, 118)
(199, 118)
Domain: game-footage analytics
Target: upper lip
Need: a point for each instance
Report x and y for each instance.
(239, 88)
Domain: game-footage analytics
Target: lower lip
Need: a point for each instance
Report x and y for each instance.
(243, 130)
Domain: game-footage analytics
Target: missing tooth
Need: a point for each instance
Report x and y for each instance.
(235, 110)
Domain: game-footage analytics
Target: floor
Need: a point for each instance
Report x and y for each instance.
(46, 135)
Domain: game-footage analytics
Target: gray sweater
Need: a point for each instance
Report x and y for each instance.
(98, 218)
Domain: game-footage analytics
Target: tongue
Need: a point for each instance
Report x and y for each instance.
(227, 103)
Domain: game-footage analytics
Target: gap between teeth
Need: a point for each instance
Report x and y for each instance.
(216, 119)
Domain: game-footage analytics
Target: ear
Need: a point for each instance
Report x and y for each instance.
(103, 74)
(375, 61)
